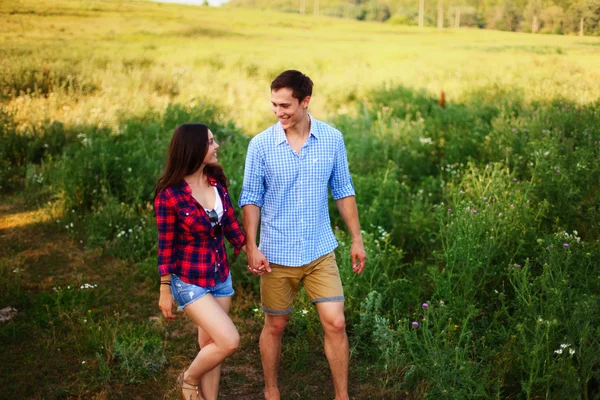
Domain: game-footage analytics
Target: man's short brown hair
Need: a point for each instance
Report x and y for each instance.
(300, 84)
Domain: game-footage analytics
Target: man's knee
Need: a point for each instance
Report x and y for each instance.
(275, 324)
(335, 324)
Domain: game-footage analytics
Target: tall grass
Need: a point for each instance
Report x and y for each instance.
(480, 219)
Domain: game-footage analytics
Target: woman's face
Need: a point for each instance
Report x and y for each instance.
(211, 154)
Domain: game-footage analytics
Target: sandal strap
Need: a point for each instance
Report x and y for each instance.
(189, 386)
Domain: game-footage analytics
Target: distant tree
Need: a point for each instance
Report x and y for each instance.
(553, 20)
(584, 17)
(440, 21)
(421, 13)
(531, 15)
(505, 17)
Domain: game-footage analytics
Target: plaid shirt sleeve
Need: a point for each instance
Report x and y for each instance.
(340, 181)
(231, 226)
(166, 220)
(253, 189)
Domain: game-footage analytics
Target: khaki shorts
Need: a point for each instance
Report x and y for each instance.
(321, 280)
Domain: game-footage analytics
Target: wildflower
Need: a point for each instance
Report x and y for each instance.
(559, 351)
(514, 179)
(255, 309)
(499, 214)
(566, 245)
(514, 130)
(337, 227)
(540, 320)
(564, 345)
(558, 171)
(449, 210)
(442, 302)
(304, 312)
(571, 351)
(474, 211)
(415, 324)
(425, 305)
(512, 205)
(83, 362)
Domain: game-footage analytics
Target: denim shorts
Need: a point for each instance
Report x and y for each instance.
(186, 293)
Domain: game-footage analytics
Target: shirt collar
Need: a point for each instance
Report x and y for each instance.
(187, 189)
(280, 132)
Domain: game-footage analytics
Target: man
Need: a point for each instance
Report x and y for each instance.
(289, 168)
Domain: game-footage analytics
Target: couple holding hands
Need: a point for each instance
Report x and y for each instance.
(290, 168)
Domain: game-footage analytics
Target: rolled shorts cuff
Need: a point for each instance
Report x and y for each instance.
(326, 299)
(185, 293)
(272, 312)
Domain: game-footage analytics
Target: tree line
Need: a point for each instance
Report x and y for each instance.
(580, 17)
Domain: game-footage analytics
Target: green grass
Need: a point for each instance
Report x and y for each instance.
(120, 58)
(486, 210)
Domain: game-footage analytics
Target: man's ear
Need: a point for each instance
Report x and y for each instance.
(305, 102)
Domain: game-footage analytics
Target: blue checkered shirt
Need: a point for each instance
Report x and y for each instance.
(292, 189)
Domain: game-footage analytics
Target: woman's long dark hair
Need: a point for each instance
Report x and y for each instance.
(187, 151)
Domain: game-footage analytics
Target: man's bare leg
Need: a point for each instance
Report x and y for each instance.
(336, 345)
(270, 352)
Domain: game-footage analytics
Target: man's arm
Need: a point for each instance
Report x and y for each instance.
(347, 208)
(251, 200)
(257, 262)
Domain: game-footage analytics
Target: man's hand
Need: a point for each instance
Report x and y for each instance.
(165, 303)
(257, 262)
(358, 256)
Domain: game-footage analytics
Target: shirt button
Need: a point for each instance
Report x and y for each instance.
(187, 213)
(217, 251)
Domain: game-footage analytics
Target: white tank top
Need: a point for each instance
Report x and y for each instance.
(218, 205)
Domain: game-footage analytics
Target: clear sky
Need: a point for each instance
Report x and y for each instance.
(198, 2)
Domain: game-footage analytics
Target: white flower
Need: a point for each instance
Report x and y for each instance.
(571, 351)
(559, 351)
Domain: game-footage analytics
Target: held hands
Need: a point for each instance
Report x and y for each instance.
(257, 262)
(358, 256)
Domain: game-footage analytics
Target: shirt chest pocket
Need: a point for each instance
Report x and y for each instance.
(322, 166)
(191, 221)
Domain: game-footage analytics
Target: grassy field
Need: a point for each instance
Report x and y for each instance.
(481, 219)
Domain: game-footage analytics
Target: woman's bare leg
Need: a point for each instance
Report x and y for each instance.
(210, 380)
(208, 314)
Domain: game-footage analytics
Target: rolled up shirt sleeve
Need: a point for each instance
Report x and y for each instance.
(253, 188)
(340, 181)
(231, 228)
(166, 220)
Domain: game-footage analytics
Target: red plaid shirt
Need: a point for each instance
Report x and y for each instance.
(187, 244)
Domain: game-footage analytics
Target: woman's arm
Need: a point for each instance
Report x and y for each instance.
(231, 227)
(166, 220)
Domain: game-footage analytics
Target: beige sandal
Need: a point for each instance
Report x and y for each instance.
(183, 385)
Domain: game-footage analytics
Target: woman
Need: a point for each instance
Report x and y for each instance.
(193, 213)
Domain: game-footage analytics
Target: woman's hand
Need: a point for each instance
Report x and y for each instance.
(257, 262)
(165, 302)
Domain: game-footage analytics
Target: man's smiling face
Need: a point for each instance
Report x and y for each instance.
(289, 110)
